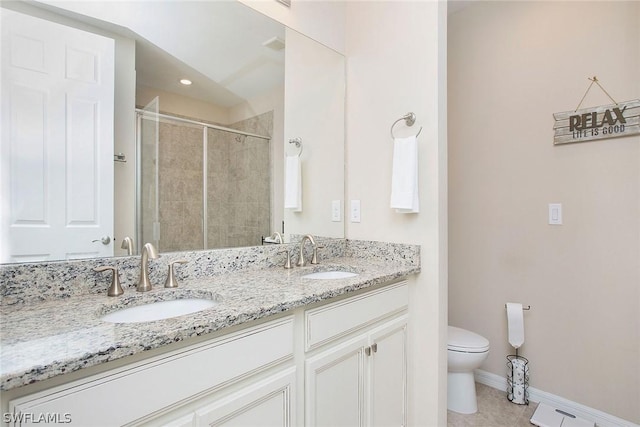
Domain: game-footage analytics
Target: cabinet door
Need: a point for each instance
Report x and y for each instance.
(388, 374)
(266, 403)
(335, 386)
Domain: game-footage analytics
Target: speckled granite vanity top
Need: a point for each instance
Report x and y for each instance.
(40, 340)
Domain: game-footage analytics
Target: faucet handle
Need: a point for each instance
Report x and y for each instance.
(171, 281)
(115, 289)
(287, 263)
(314, 258)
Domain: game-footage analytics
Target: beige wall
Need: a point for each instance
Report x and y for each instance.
(511, 66)
(314, 110)
(323, 21)
(396, 62)
(171, 103)
(395, 65)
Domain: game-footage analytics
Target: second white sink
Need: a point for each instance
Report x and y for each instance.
(325, 275)
(159, 310)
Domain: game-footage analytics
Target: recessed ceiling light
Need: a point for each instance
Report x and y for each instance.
(185, 82)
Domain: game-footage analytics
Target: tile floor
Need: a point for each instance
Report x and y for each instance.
(494, 410)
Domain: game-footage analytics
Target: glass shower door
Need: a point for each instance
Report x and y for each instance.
(148, 179)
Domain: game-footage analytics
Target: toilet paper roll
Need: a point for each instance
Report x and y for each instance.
(518, 377)
(519, 394)
(520, 371)
(515, 323)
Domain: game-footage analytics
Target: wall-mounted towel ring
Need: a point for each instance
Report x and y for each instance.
(298, 141)
(409, 120)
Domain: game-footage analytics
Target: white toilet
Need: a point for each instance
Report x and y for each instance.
(466, 351)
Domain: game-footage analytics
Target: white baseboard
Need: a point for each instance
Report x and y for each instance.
(602, 419)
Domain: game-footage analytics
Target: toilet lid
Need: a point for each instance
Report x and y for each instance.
(462, 340)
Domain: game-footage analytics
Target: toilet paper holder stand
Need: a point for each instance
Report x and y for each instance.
(518, 376)
(518, 379)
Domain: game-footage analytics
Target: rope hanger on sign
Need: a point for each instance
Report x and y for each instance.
(596, 81)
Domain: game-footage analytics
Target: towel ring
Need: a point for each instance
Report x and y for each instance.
(298, 141)
(409, 120)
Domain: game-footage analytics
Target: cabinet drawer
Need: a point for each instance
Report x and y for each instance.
(128, 394)
(332, 321)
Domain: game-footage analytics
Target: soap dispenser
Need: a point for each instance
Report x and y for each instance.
(171, 281)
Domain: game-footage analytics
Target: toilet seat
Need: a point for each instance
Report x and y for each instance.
(464, 341)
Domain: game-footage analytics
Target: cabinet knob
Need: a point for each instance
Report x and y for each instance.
(374, 347)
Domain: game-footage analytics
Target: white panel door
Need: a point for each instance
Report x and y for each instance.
(56, 174)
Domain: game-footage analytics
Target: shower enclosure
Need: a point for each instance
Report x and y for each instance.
(200, 185)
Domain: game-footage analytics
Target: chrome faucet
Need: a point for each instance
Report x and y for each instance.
(127, 243)
(148, 251)
(277, 237)
(314, 258)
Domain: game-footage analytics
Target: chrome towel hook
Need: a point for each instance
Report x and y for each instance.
(409, 120)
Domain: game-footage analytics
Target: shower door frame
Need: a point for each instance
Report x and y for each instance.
(155, 115)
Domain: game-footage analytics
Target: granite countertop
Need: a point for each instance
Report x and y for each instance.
(50, 338)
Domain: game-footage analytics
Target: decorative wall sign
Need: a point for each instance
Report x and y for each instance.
(603, 122)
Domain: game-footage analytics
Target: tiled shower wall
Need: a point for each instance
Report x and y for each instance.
(238, 185)
(180, 194)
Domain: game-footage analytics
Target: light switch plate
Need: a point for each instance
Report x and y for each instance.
(335, 211)
(355, 211)
(555, 213)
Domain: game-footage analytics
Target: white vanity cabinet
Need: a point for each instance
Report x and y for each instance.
(152, 390)
(344, 363)
(357, 374)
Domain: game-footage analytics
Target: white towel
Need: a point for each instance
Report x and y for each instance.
(404, 176)
(293, 184)
(515, 324)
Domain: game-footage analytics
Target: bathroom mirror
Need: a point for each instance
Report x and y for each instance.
(248, 72)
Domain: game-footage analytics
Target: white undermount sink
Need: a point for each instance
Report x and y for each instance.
(159, 310)
(327, 275)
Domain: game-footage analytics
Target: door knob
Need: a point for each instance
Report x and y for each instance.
(105, 240)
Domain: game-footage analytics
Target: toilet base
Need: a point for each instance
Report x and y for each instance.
(461, 393)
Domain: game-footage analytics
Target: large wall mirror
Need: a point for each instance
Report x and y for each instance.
(142, 157)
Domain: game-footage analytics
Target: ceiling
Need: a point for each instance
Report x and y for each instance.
(218, 45)
(219, 48)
